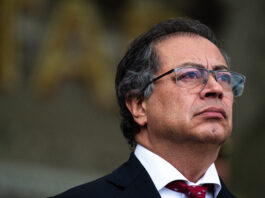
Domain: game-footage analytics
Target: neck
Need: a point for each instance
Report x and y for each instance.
(189, 158)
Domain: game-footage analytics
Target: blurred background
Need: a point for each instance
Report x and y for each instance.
(59, 121)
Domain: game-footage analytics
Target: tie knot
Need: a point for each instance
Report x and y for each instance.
(192, 191)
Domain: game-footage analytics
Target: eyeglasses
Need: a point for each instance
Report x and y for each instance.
(191, 77)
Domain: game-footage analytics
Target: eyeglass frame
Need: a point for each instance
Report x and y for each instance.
(243, 78)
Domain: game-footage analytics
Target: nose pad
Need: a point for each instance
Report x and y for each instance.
(205, 81)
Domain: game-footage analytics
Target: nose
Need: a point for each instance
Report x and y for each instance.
(212, 89)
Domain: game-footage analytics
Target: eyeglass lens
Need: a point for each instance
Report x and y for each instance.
(190, 77)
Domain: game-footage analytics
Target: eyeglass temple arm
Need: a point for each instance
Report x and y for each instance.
(157, 78)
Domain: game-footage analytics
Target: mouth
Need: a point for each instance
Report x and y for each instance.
(213, 112)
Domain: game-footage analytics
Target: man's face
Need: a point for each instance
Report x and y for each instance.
(181, 114)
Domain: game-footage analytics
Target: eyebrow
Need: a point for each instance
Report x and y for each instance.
(216, 67)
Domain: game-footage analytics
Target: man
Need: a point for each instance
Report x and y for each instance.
(176, 93)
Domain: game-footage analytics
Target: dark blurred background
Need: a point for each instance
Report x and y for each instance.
(59, 121)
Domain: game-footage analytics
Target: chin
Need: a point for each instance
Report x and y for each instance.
(217, 140)
(215, 135)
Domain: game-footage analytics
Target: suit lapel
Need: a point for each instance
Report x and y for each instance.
(142, 187)
(133, 180)
(224, 193)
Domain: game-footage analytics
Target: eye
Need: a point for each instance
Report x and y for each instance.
(188, 75)
(224, 77)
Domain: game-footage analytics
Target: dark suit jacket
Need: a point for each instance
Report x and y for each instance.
(130, 180)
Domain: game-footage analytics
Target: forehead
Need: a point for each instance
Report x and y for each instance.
(180, 49)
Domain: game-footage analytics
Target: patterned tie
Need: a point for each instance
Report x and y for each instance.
(191, 191)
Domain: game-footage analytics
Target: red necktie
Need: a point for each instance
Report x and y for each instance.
(191, 191)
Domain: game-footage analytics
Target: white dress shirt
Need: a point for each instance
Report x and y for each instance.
(162, 173)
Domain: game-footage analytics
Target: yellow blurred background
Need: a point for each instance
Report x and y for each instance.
(59, 121)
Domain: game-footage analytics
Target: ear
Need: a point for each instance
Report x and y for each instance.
(137, 107)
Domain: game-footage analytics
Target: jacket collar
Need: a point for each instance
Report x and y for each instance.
(134, 180)
(224, 193)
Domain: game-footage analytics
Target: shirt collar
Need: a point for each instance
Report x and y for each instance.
(162, 172)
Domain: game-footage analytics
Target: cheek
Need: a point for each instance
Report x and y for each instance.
(230, 117)
(172, 106)
(181, 106)
(229, 108)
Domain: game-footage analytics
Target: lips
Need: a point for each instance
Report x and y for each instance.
(212, 112)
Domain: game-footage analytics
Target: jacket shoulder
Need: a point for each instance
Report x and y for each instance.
(126, 176)
(97, 189)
